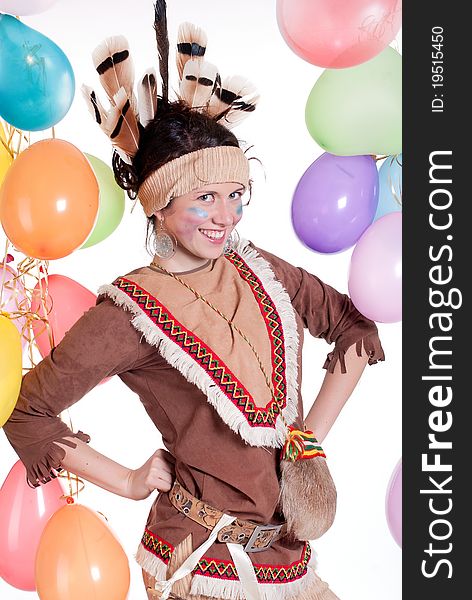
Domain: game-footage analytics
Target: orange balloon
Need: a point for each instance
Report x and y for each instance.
(79, 557)
(49, 200)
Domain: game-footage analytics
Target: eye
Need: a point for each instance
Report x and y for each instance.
(205, 197)
(235, 195)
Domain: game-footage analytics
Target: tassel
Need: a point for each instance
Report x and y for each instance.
(198, 83)
(301, 445)
(147, 97)
(233, 101)
(191, 44)
(162, 41)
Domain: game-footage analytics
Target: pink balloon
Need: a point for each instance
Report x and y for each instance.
(24, 512)
(67, 302)
(393, 504)
(375, 273)
(338, 33)
(25, 7)
(12, 297)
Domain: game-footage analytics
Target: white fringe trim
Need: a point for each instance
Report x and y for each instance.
(194, 373)
(232, 590)
(151, 563)
(281, 299)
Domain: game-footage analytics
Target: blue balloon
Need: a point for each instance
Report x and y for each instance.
(390, 186)
(37, 83)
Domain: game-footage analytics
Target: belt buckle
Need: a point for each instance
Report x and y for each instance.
(256, 534)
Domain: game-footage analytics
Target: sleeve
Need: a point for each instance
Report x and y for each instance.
(100, 344)
(327, 313)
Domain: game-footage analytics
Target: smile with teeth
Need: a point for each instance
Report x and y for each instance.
(212, 233)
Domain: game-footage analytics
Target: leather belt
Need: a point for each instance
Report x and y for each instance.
(253, 536)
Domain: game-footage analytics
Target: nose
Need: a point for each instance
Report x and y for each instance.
(223, 215)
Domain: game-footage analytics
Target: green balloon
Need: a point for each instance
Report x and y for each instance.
(112, 202)
(358, 110)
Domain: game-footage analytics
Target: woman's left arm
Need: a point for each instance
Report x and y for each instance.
(330, 315)
(334, 393)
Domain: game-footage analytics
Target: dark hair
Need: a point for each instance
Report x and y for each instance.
(175, 130)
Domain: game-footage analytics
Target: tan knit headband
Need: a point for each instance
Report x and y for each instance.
(191, 171)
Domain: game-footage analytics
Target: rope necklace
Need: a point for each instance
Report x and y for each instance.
(238, 330)
(299, 444)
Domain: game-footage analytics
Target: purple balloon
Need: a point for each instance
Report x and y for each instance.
(335, 201)
(393, 504)
(375, 274)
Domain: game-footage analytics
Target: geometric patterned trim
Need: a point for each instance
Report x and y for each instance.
(273, 325)
(265, 573)
(257, 426)
(214, 366)
(157, 546)
(226, 570)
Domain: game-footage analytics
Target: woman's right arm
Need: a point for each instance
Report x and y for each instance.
(102, 343)
(137, 484)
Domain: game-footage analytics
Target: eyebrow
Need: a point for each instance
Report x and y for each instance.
(200, 193)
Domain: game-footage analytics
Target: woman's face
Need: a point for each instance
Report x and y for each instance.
(203, 219)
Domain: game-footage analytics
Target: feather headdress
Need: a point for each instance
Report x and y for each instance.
(227, 101)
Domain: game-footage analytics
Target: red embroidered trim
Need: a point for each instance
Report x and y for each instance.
(224, 569)
(157, 546)
(192, 345)
(272, 321)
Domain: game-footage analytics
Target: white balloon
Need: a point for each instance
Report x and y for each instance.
(25, 7)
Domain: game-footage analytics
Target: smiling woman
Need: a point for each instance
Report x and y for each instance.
(202, 222)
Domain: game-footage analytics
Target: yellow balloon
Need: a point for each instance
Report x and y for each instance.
(5, 157)
(10, 368)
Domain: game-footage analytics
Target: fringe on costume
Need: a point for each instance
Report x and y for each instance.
(150, 563)
(42, 469)
(317, 590)
(204, 587)
(372, 347)
(194, 373)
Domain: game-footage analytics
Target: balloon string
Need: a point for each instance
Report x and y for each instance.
(4, 271)
(393, 191)
(77, 480)
(20, 139)
(7, 147)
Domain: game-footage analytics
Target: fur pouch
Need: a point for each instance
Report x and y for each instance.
(307, 497)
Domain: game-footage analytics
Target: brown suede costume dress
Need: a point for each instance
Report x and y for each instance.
(204, 390)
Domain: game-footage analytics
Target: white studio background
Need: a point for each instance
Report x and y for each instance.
(358, 556)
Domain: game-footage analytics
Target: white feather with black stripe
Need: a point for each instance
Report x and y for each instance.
(122, 125)
(198, 83)
(191, 45)
(114, 65)
(233, 101)
(147, 96)
(94, 105)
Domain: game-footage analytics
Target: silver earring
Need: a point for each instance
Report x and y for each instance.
(164, 241)
(231, 242)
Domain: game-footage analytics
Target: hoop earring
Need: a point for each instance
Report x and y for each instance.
(231, 242)
(164, 241)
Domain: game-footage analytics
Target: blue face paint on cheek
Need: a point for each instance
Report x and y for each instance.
(239, 210)
(199, 212)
